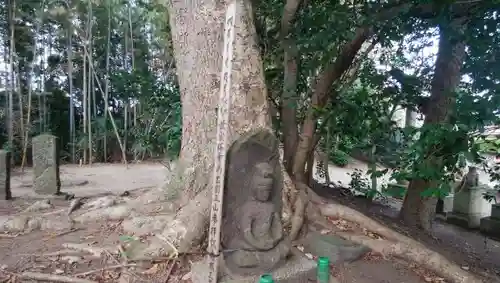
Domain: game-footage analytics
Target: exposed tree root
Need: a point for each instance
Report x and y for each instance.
(53, 278)
(341, 211)
(287, 195)
(189, 224)
(300, 205)
(95, 251)
(419, 254)
(398, 245)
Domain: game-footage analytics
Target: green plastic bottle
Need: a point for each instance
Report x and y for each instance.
(266, 278)
(323, 270)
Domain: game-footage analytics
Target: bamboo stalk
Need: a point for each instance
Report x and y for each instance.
(115, 128)
(10, 111)
(90, 83)
(84, 124)
(106, 91)
(70, 82)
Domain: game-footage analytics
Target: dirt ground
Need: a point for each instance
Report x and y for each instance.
(31, 251)
(468, 248)
(96, 180)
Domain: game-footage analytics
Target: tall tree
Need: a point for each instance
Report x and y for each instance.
(417, 209)
(199, 80)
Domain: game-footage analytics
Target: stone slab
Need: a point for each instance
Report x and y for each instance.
(5, 192)
(335, 248)
(463, 220)
(297, 269)
(490, 227)
(495, 211)
(471, 202)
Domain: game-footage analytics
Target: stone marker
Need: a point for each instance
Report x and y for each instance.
(335, 248)
(253, 242)
(469, 205)
(491, 225)
(5, 193)
(46, 165)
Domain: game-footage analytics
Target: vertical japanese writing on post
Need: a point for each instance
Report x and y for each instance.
(221, 146)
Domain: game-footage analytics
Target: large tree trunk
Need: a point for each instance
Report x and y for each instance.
(417, 210)
(197, 40)
(197, 29)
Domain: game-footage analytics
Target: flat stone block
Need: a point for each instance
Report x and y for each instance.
(490, 227)
(463, 220)
(297, 269)
(495, 211)
(335, 248)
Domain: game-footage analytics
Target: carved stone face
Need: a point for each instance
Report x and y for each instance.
(263, 182)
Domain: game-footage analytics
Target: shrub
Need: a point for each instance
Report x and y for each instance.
(339, 158)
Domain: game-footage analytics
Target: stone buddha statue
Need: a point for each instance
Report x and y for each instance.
(259, 244)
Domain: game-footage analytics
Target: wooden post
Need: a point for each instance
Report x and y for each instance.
(213, 248)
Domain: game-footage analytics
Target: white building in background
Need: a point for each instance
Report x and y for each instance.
(400, 117)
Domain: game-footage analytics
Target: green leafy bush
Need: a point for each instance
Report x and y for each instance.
(339, 158)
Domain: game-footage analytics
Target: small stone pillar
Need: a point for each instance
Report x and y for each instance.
(46, 165)
(5, 192)
(490, 225)
(469, 206)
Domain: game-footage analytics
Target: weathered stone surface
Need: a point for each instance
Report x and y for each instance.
(495, 211)
(469, 206)
(5, 192)
(490, 226)
(297, 269)
(445, 205)
(46, 165)
(252, 228)
(335, 248)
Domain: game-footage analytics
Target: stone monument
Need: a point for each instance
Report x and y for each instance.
(5, 193)
(469, 205)
(490, 225)
(253, 239)
(253, 230)
(444, 204)
(46, 165)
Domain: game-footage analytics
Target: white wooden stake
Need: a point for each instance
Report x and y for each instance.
(221, 146)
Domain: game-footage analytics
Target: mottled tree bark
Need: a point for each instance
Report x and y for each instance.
(197, 32)
(417, 210)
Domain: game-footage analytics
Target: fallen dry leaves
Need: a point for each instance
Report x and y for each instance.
(425, 274)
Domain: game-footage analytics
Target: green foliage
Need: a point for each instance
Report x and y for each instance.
(489, 144)
(359, 182)
(140, 56)
(339, 158)
(395, 190)
(144, 99)
(161, 132)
